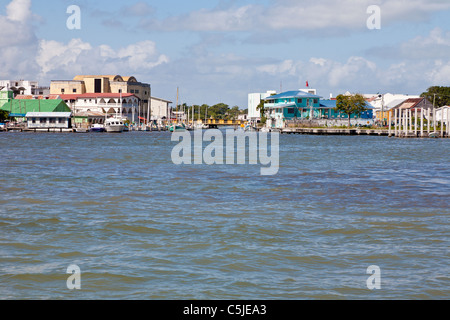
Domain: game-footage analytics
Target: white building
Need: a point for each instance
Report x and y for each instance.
(125, 104)
(46, 120)
(443, 114)
(160, 108)
(387, 101)
(22, 87)
(254, 99)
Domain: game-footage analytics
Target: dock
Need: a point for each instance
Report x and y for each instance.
(335, 131)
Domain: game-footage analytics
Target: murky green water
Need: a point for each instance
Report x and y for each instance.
(140, 227)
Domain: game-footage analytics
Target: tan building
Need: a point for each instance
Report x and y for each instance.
(82, 84)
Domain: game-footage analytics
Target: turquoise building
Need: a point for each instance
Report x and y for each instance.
(301, 105)
(291, 105)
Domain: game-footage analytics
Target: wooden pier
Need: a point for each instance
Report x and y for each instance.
(410, 123)
(335, 131)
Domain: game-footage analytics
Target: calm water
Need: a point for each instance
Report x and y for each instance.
(140, 227)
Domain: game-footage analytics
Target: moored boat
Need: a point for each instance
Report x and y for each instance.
(114, 125)
(96, 127)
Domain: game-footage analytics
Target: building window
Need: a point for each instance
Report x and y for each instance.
(74, 90)
(62, 90)
(132, 91)
(33, 120)
(299, 101)
(43, 120)
(291, 110)
(52, 120)
(97, 85)
(136, 91)
(316, 100)
(120, 90)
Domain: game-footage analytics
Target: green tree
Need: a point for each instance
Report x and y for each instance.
(261, 108)
(350, 104)
(3, 115)
(440, 96)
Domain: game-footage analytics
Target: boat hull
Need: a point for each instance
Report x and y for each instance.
(114, 128)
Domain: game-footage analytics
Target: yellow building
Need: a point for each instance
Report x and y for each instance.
(104, 84)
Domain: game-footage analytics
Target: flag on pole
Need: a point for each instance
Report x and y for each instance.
(307, 84)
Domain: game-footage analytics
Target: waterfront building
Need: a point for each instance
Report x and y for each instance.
(291, 105)
(19, 108)
(96, 106)
(254, 99)
(160, 109)
(23, 87)
(83, 84)
(49, 120)
(328, 111)
(384, 102)
(409, 104)
(443, 114)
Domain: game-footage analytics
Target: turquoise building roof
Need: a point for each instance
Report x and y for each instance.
(331, 104)
(294, 94)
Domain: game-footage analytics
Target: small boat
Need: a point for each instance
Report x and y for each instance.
(177, 127)
(96, 127)
(434, 135)
(200, 126)
(266, 129)
(114, 125)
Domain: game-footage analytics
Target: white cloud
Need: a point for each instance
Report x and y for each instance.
(19, 10)
(78, 57)
(327, 15)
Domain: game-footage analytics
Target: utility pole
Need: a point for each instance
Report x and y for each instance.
(434, 113)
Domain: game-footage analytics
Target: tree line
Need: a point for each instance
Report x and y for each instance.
(217, 111)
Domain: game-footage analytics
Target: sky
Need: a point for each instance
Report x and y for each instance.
(219, 51)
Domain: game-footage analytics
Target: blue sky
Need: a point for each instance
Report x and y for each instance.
(219, 51)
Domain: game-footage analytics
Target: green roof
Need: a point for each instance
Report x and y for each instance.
(24, 106)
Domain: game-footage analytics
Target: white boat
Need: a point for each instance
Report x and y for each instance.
(114, 125)
(200, 126)
(96, 127)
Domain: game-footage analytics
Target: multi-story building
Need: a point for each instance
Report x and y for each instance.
(254, 99)
(116, 84)
(291, 105)
(22, 87)
(160, 109)
(98, 105)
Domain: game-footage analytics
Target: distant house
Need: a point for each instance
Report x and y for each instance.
(443, 114)
(384, 102)
(291, 105)
(19, 108)
(328, 111)
(49, 120)
(410, 104)
(20, 87)
(160, 108)
(254, 99)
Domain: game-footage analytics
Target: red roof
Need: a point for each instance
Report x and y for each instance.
(95, 95)
(39, 97)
